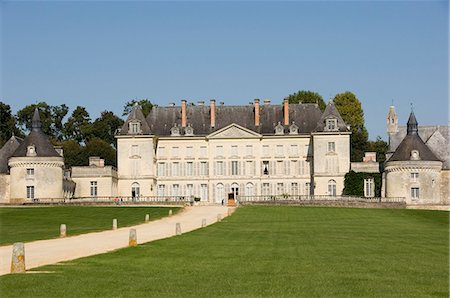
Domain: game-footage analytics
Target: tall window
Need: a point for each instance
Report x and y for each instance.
(414, 193)
(307, 188)
(249, 189)
(204, 192)
(332, 188)
(176, 169)
(331, 147)
(414, 177)
(265, 189)
(190, 190)
(331, 125)
(135, 127)
(203, 168)
(294, 188)
(175, 190)
(30, 192)
(135, 190)
(265, 167)
(369, 188)
(161, 169)
(280, 188)
(189, 168)
(93, 188)
(280, 167)
(219, 168)
(249, 168)
(234, 168)
(220, 193)
(161, 190)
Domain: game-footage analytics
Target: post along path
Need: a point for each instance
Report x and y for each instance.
(45, 252)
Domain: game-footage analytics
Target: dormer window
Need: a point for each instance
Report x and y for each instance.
(175, 131)
(279, 129)
(331, 124)
(31, 150)
(189, 131)
(293, 129)
(135, 128)
(415, 155)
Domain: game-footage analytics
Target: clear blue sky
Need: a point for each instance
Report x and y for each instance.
(102, 54)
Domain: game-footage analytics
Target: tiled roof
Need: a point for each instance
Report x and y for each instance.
(7, 151)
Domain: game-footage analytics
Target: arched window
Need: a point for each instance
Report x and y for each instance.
(135, 190)
(235, 189)
(249, 189)
(220, 193)
(332, 188)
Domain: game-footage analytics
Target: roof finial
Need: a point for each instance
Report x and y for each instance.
(412, 107)
(36, 121)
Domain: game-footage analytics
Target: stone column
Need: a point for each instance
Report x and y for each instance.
(133, 238)
(62, 231)
(114, 225)
(18, 258)
(178, 229)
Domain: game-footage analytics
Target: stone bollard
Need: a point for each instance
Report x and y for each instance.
(114, 227)
(219, 217)
(62, 231)
(203, 222)
(133, 238)
(178, 229)
(170, 212)
(18, 258)
(147, 217)
(230, 211)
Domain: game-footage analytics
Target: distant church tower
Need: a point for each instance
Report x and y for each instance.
(392, 121)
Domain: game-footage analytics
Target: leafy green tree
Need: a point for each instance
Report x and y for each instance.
(105, 127)
(305, 96)
(101, 148)
(7, 124)
(145, 104)
(78, 125)
(58, 114)
(352, 113)
(380, 147)
(73, 153)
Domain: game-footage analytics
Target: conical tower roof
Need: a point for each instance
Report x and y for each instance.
(136, 115)
(331, 112)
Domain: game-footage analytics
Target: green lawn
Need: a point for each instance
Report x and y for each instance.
(268, 251)
(35, 223)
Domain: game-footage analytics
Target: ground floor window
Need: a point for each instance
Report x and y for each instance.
(332, 188)
(30, 192)
(161, 190)
(415, 193)
(135, 190)
(93, 188)
(220, 193)
(204, 192)
(249, 189)
(369, 188)
(294, 188)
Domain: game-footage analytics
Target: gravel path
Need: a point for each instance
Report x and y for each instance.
(44, 252)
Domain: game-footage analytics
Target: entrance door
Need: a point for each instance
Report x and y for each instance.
(235, 190)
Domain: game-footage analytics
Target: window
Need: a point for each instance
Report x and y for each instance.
(280, 150)
(332, 188)
(234, 150)
(331, 164)
(280, 167)
(249, 150)
(265, 167)
(93, 188)
(219, 168)
(414, 177)
(30, 192)
(331, 125)
(161, 151)
(135, 167)
(190, 190)
(294, 167)
(135, 190)
(189, 168)
(175, 190)
(265, 150)
(369, 188)
(30, 172)
(203, 151)
(204, 192)
(234, 168)
(307, 188)
(280, 188)
(294, 188)
(331, 147)
(135, 127)
(249, 189)
(203, 168)
(249, 168)
(414, 193)
(176, 169)
(161, 169)
(294, 150)
(302, 167)
(189, 151)
(161, 190)
(175, 151)
(265, 189)
(219, 150)
(220, 193)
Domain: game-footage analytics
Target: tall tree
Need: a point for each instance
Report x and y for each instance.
(380, 147)
(58, 114)
(352, 113)
(7, 124)
(105, 127)
(306, 96)
(145, 104)
(78, 125)
(73, 153)
(101, 148)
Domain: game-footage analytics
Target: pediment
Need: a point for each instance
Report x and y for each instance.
(234, 131)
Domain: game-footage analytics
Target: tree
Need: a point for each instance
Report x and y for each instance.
(73, 153)
(7, 124)
(352, 113)
(105, 127)
(101, 148)
(145, 104)
(58, 114)
(304, 96)
(78, 125)
(380, 147)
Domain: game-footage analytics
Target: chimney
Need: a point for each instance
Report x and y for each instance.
(201, 103)
(183, 113)
(213, 112)
(286, 111)
(257, 117)
(266, 101)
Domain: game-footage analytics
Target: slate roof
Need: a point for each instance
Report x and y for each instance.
(331, 112)
(37, 138)
(162, 119)
(7, 151)
(136, 115)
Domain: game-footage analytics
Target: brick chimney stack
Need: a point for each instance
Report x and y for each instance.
(213, 112)
(286, 111)
(257, 115)
(183, 113)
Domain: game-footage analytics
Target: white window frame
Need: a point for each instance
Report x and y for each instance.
(94, 189)
(30, 192)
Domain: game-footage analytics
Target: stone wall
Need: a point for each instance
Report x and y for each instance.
(4, 188)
